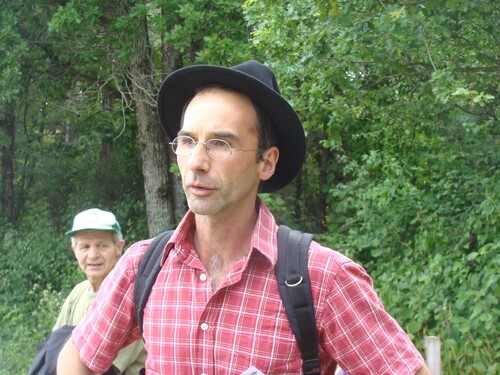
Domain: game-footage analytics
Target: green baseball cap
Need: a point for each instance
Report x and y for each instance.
(95, 219)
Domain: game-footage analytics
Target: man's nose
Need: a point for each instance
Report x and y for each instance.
(93, 252)
(199, 157)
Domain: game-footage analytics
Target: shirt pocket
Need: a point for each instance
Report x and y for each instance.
(269, 354)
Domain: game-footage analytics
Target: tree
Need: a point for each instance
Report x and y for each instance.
(10, 80)
(7, 191)
(114, 40)
(404, 98)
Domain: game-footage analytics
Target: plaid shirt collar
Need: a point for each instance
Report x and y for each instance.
(264, 237)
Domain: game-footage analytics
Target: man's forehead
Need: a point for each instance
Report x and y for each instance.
(92, 234)
(222, 113)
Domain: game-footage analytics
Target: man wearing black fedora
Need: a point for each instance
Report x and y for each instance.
(215, 307)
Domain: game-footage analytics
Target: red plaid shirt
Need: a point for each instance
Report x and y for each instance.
(190, 330)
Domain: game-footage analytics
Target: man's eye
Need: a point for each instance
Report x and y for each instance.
(218, 144)
(186, 141)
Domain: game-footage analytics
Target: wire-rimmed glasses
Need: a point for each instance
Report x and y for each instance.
(217, 149)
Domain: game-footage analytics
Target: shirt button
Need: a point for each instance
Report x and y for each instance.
(203, 277)
(204, 326)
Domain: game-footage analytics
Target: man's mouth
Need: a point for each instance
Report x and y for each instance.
(199, 190)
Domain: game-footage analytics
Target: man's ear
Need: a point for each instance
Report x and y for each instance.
(120, 246)
(268, 163)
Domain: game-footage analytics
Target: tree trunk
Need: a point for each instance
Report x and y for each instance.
(172, 61)
(7, 126)
(160, 205)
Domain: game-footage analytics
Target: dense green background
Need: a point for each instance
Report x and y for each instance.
(399, 100)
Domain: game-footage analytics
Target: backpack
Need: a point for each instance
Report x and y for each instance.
(47, 352)
(45, 361)
(293, 284)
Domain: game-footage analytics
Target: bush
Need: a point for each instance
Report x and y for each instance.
(22, 330)
(37, 273)
(432, 249)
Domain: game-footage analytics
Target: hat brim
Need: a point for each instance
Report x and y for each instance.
(74, 231)
(180, 86)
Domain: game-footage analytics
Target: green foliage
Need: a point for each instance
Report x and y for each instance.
(400, 101)
(10, 72)
(278, 206)
(22, 330)
(38, 271)
(209, 32)
(36, 256)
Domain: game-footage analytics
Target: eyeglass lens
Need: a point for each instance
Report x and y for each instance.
(215, 148)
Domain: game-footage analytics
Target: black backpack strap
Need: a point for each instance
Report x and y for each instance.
(149, 267)
(295, 291)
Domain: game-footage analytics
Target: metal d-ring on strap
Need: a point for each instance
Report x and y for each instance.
(296, 294)
(294, 284)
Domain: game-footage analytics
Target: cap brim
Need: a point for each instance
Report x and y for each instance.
(180, 86)
(72, 232)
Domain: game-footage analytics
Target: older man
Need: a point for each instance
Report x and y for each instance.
(97, 243)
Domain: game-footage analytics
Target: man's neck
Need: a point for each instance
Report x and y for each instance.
(95, 284)
(221, 242)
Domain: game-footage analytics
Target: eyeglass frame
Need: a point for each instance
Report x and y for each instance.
(206, 145)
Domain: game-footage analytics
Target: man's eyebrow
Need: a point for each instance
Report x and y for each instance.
(183, 132)
(219, 134)
(224, 135)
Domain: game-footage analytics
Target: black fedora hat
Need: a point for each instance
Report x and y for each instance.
(258, 82)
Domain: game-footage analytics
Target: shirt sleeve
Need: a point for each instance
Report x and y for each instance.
(361, 336)
(110, 323)
(132, 358)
